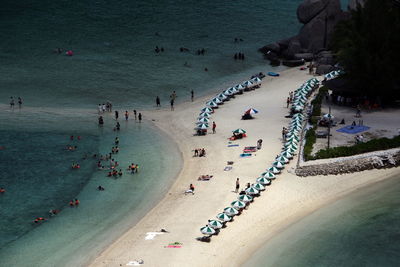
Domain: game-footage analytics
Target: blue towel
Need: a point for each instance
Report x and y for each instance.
(232, 145)
(245, 155)
(273, 74)
(353, 129)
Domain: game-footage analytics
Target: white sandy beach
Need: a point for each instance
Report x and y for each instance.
(288, 199)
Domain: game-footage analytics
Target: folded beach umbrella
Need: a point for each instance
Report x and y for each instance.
(212, 104)
(214, 224)
(247, 84)
(258, 186)
(239, 131)
(222, 97)
(207, 109)
(287, 154)
(203, 120)
(279, 164)
(269, 174)
(274, 170)
(251, 111)
(223, 217)
(217, 100)
(202, 126)
(205, 114)
(264, 181)
(252, 191)
(207, 230)
(282, 159)
(245, 198)
(237, 204)
(231, 211)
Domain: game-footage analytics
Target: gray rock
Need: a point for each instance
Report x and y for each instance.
(307, 10)
(326, 60)
(293, 48)
(324, 69)
(352, 5)
(274, 47)
(306, 56)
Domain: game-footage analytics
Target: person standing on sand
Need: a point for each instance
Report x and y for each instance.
(213, 127)
(19, 102)
(116, 114)
(158, 103)
(134, 113)
(140, 117)
(172, 104)
(192, 95)
(126, 115)
(12, 103)
(237, 185)
(287, 102)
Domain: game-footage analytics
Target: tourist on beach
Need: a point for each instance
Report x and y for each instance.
(116, 141)
(192, 95)
(140, 117)
(101, 121)
(19, 102)
(247, 186)
(100, 109)
(158, 103)
(259, 144)
(116, 114)
(2, 190)
(173, 95)
(214, 125)
(287, 102)
(12, 103)
(100, 188)
(126, 115)
(172, 104)
(103, 107)
(117, 127)
(358, 111)
(191, 190)
(196, 152)
(134, 114)
(71, 203)
(76, 202)
(237, 185)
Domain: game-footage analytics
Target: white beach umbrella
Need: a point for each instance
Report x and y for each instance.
(291, 143)
(223, 217)
(203, 120)
(239, 87)
(252, 191)
(293, 138)
(274, 170)
(245, 198)
(217, 100)
(282, 159)
(222, 97)
(212, 104)
(256, 80)
(231, 211)
(247, 84)
(298, 115)
(258, 186)
(215, 224)
(287, 154)
(228, 92)
(207, 109)
(269, 174)
(264, 181)
(237, 204)
(234, 90)
(278, 164)
(207, 230)
(292, 149)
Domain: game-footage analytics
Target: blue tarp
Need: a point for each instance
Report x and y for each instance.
(353, 129)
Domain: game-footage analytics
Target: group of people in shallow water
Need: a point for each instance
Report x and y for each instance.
(12, 102)
(239, 56)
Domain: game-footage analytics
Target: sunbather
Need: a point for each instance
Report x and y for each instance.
(206, 177)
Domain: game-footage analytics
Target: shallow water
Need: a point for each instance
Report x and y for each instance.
(361, 229)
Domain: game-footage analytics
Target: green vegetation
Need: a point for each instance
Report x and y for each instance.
(368, 47)
(373, 145)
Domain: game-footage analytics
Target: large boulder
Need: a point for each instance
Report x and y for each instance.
(293, 48)
(309, 9)
(306, 56)
(274, 47)
(324, 69)
(352, 5)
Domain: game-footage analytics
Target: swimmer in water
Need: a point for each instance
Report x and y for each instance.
(100, 188)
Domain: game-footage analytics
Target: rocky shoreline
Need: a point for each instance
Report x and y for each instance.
(373, 160)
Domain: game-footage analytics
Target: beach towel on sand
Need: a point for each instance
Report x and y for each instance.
(250, 149)
(228, 168)
(233, 145)
(353, 129)
(245, 155)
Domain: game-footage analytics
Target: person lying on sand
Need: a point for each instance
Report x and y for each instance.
(206, 177)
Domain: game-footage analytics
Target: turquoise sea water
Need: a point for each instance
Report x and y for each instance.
(361, 229)
(114, 60)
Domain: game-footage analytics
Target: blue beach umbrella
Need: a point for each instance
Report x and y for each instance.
(278, 164)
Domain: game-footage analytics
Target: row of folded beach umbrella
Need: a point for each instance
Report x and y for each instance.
(333, 74)
(288, 151)
(203, 120)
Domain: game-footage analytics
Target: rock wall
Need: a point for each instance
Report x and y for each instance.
(374, 160)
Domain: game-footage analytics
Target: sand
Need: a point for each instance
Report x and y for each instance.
(288, 199)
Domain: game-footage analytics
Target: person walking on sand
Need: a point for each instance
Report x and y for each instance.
(214, 126)
(192, 95)
(158, 103)
(237, 185)
(140, 117)
(134, 114)
(287, 102)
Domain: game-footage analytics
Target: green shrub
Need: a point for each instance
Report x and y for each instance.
(310, 141)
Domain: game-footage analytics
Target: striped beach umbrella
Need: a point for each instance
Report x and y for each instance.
(247, 84)
(278, 164)
(264, 181)
(217, 100)
(222, 97)
(282, 159)
(206, 230)
(269, 174)
(291, 149)
(228, 92)
(231, 211)
(252, 191)
(204, 114)
(239, 87)
(203, 120)
(287, 154)
(207, 109)
(223, 217)
(212, 104)
(245, 198)
(202, 126)
(237, 204)
(274, 170)
(256, 80)
(239, 131)
(251, 111)
(214, 224)
(258, 186)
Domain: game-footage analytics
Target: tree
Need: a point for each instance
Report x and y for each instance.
(368, 47)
